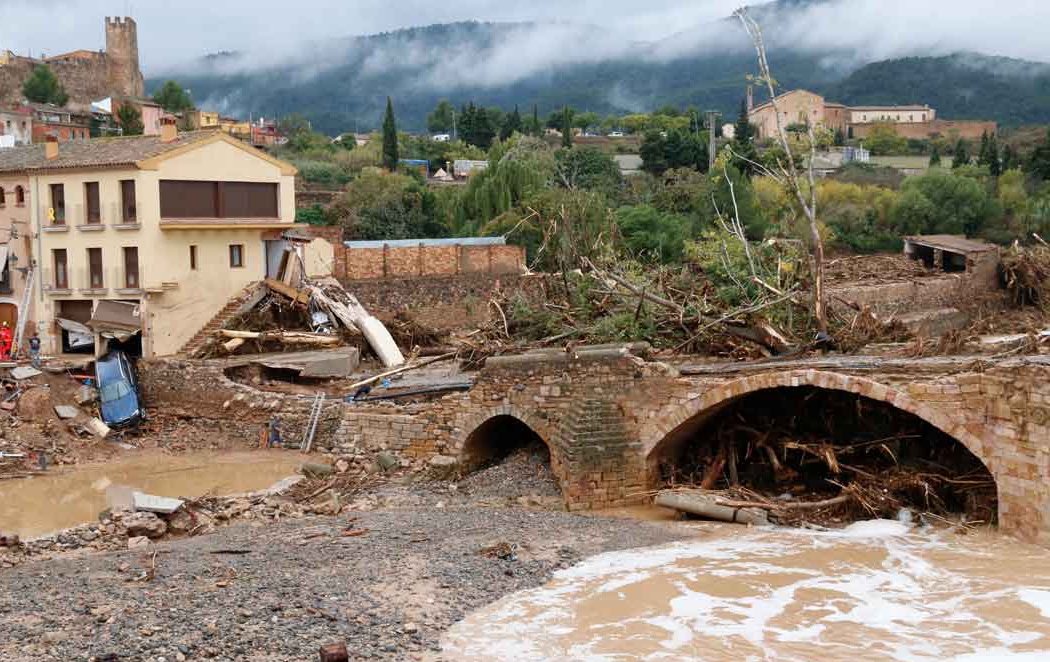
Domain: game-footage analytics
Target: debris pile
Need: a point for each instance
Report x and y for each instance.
(826, 458)
(295, 311)
(524, 474)
(1026, 275)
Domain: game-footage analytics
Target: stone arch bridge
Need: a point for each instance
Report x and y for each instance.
(606, 415)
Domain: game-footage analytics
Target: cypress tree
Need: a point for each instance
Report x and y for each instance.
(390, 155)
(743, 141)
(537, 128)
(935, 157)
(566, 128)
(995, 166)
(1009, 161)
(961, 156)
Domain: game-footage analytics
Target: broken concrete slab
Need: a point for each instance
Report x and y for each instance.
(66, 412)
(151, 503)
(98, 428)
(24, 372)
(935, 322)
(334, 363)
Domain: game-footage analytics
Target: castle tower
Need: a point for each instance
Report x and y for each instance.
(122, 55)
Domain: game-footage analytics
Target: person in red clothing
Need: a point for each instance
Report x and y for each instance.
(5, 341)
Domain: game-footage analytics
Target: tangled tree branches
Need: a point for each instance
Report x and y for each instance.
(1026, 275)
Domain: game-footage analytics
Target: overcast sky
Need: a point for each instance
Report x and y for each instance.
(174, 32)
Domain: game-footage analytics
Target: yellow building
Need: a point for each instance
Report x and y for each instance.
(202, 119)
(174, 223)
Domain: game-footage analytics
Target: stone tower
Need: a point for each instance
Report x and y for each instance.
(122, 55)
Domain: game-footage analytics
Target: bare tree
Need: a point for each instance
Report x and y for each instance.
(804, 190)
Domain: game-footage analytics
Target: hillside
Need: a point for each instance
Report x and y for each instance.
(960, 86)
(342, 85)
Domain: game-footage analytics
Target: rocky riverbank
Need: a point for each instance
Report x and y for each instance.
(386, 582)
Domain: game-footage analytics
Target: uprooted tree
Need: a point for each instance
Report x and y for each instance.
(787, 170)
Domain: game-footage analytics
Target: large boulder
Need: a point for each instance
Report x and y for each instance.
(144, 524)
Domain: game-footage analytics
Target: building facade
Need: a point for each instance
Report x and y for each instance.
(801, 107)
(61, 124)
(16, 253)
(173, 223)
(17, 125)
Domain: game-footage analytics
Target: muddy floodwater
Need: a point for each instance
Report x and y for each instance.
(68, 496)
(878, 590)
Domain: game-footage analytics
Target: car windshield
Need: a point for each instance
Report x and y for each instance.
(114, 391)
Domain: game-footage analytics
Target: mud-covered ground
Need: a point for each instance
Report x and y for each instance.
(280, 590)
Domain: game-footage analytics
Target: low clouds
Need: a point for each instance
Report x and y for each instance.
(312, 32)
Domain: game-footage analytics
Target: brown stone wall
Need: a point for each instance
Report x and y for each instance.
(970, 130)
(429, 261)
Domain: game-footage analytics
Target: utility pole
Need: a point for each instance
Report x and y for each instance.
(712, 118)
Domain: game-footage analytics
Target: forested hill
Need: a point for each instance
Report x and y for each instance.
(960, 86)
(343, 85)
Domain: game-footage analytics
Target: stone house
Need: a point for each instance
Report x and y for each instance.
(174, 224)
(800, 107)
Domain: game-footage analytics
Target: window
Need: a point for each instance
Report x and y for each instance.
(58, 204)
(131, 267)
(236, 256)
(20, 196)
(58, 256)
(190, 199)
(95, 268)
(193, 258)
(94, 208)
(129, 210)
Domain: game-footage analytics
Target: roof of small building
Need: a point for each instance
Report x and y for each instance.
(113, 152)
(912, 107)
(951, 242)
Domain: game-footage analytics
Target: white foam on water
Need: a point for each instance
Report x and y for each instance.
(1037, 598)
(752, 591)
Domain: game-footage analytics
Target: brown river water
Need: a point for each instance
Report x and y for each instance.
(880, 590)
(68, 496)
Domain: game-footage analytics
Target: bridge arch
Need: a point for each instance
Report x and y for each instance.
(485, 436)
(676, 424)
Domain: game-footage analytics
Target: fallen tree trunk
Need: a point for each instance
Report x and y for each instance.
(398, 371)
(698, 502)
(287, 337)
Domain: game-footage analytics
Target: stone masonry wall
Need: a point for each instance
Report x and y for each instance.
(428, 261)
(605, 415)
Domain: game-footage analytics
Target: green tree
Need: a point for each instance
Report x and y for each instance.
(130, 120)
(653, 235)
(442, 118)
(1009, 160)
(566, 128)
(390, 147)
(940, 202)
(535, 127)
(590, 168)
(743, 144)
(654, 153)
(1039, 162)
(961, 156)
(173, 98)
(994, 163)
(511, 124)
(935, 157)
(587, 120)
(43, 87)
(884, 140)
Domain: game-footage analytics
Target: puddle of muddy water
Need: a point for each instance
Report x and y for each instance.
(70, 496)
(876, 590)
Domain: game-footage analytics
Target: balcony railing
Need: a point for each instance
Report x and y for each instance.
(76, 216)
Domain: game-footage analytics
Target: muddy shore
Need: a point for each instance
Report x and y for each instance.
(278, 591)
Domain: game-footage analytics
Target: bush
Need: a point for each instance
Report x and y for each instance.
(944, 203)
(652, 235)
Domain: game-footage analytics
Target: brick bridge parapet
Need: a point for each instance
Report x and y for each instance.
(605, 413)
